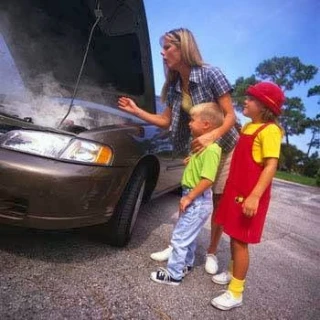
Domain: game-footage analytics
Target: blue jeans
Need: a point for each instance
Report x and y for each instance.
(186, 231)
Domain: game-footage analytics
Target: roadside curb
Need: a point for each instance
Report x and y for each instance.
(295, 183)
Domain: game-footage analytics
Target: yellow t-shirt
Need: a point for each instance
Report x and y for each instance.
(186, 102)
(267, 143)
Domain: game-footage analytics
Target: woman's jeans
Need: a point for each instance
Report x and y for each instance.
(186, 231)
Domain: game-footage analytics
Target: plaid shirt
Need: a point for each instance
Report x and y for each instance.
(206, 84)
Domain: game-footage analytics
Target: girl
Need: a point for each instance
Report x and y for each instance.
(246, 197)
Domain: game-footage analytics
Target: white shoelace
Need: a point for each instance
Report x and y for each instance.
(164, 274)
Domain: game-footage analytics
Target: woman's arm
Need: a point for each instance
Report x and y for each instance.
(225, 103)
(250, 204)
(162, 120)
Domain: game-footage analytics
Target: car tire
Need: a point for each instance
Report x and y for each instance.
(120, 226)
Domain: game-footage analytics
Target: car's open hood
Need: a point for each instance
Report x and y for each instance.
(48, 64)
(47, 113)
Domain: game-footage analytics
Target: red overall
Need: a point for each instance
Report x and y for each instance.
(243, 176)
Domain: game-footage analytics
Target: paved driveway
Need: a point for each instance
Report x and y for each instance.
(69, 275)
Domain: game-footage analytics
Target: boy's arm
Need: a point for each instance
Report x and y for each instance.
(250, 204)
(185, 201)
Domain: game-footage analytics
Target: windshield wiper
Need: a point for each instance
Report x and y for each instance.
(14, 116)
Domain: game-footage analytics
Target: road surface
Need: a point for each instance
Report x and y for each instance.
(69, 275)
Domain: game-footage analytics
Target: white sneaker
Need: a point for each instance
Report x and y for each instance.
(222, 278)
(211, 265)
(162, 255)
(226, 301)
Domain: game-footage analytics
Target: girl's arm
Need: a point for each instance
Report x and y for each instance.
(250, 204)
(225, 102)
(185, 201)
(162, 120)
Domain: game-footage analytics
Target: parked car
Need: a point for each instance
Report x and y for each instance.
(69, 157)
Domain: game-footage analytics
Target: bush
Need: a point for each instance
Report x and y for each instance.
(291, 158)
(318, 178)
(311, 167)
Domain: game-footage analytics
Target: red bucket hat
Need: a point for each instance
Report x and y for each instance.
(269, 94)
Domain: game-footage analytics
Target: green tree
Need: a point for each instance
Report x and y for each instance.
(311, 165)
(291, 158)
(240, 87)
(288, 72)
(293, 117)
(314, 91)
(313, 124)
(318, 178)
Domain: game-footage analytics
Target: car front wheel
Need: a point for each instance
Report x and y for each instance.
(120, 226)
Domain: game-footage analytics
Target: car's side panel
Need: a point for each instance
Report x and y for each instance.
(133, 142)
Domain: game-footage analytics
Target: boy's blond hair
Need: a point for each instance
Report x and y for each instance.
(210, 112)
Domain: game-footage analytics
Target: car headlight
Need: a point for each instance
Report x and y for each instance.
(87, 151)
(58, 146)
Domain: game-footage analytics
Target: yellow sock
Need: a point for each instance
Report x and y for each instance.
(236, 287)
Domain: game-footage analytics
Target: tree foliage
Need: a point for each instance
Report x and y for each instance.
(291, 158)
(318, 178)
(293, 117)
(240, 88)
(314, 91)
(311, 165)
(313, 124)
(286, 71)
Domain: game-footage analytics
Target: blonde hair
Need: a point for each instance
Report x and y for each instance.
(268, 116)
(208, 111)
(183, 39)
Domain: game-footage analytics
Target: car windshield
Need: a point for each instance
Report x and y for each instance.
(42, 49)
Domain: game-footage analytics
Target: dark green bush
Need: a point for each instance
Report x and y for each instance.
(318, 178)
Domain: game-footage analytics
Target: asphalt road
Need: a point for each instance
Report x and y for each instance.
(69, 275)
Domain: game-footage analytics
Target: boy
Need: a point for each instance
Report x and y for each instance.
(196, 202)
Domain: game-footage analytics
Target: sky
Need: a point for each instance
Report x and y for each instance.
(238, 35)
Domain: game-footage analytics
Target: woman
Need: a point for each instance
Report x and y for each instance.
(189, 81)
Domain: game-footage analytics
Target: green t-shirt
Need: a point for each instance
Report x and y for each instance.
(203, 165)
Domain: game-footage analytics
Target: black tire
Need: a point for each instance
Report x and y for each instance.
(120, 226)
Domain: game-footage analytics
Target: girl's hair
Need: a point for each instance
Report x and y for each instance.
(208, 111)
(268, 116)
(183, 39)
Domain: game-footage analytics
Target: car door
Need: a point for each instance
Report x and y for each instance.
(171, 160)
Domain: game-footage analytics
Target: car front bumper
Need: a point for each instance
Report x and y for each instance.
(44, 193)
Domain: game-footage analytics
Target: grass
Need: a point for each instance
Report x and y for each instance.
(296, 178)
